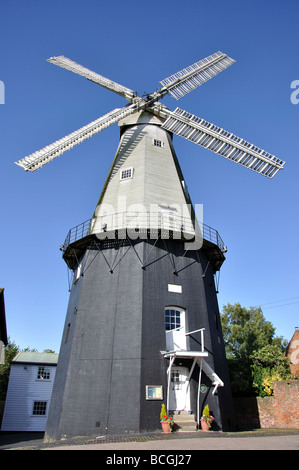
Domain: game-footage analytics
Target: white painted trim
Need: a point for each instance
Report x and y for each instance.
(124, 170)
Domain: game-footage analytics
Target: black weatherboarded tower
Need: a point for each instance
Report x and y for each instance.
(143, 325)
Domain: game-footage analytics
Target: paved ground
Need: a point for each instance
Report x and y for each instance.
(261, 439)
(224, 443)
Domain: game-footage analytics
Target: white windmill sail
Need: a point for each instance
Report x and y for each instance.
(69, 64)
(179, 122)
(37, 159)
(181, 83)
(220, 141)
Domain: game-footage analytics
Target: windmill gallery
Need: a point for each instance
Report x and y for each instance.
(143, 323)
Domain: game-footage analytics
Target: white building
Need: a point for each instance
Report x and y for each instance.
(29, 391)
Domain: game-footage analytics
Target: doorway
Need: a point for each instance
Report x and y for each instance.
(175, 329)
(179, 394)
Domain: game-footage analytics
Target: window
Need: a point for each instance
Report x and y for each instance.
(175, 328)
(176, 382)
(172, 319)
(126, 174)
(158, 143)
(43, 373)
(39, 408)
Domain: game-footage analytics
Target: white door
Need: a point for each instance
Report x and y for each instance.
(179, 395)
(175, 329)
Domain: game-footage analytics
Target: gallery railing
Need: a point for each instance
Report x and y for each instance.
(133, 222)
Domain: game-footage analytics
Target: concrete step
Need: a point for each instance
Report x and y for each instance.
(184, 421)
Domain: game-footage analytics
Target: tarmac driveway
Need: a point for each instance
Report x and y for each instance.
(261, 439)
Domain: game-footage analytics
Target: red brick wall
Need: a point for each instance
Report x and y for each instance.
(265, 409)
(281, 410)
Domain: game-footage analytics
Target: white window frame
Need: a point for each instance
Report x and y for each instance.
(126, 174)
(43, 373)
(176, 333)
(158, 143)
(174, 318)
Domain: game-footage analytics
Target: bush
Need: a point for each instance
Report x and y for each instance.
(253, 353)
(163, 412)
(269, 364)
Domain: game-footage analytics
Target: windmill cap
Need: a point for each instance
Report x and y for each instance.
(140, 117)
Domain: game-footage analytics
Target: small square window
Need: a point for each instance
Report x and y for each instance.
(43, 373)
(158, 143)
(126, 174)
(39, 408)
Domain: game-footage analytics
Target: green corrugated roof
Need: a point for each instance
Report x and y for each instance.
(36, 357)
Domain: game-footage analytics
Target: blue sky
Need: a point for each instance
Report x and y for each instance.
(138, 44)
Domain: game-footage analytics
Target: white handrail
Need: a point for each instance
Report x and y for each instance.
(201, 337)
(194, 331)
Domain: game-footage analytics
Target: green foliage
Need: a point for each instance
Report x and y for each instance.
(10, 352)
(271, 355)
(163, 412)
(244, 330)
(269, 364)
(251, 349)
(206, 415)
(164, 418)
(206, 411)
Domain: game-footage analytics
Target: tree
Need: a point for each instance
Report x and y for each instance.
(269, 364)
(11, 349)
(245, 332)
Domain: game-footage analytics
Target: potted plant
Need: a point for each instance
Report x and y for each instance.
(166, 421)
(206, 419)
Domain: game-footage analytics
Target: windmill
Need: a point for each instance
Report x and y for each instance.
(143, 323)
